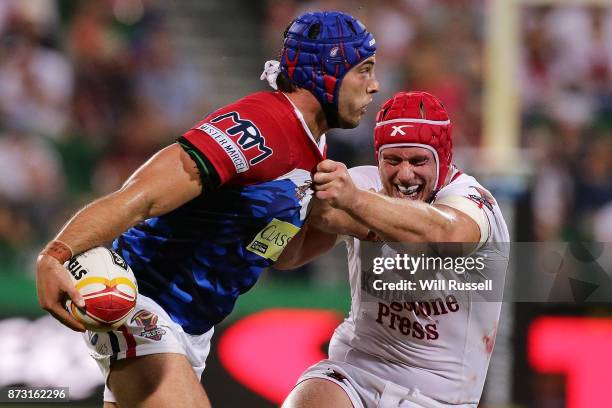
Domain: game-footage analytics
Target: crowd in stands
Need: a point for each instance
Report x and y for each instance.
(88, 91)
(566, 89)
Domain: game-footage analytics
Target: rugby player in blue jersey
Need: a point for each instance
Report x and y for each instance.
(195, 221)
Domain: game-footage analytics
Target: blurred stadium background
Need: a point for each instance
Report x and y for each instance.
(90, 89)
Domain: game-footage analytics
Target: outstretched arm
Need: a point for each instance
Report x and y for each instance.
(166, 181)
(393, 219)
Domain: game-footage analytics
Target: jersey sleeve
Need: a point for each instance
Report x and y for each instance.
(366, 177)
(208, 173)
(472, 200)
(231, 140)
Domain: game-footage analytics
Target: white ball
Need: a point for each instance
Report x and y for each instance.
(108, 286)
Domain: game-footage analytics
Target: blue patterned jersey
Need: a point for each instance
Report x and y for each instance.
(196, 260)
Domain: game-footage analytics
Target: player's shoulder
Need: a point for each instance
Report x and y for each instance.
(463, 184)
(466, 194)
(366, 177)
(241, 138)
(266, 116)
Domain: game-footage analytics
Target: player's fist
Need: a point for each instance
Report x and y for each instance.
(333, 184)
(53, 286)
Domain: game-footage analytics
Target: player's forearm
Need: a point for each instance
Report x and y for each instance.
(339, 222)
(318, 235)
(400, 220)
(166, 181)
(103, 220)
(335, 221)
(307, 245)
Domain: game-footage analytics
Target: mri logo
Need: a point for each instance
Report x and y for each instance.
(248, 134)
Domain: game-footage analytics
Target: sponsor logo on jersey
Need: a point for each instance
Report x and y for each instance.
(260, 247)
(272, 239)
(117, 260)
(483, 198)
(248, 135)
(390, 315)
(406, 317)
(149, 321)
(227, 144)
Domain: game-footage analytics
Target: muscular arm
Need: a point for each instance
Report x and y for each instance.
(335, 221)
(319, 235)
(166, 181)
(393, 219)
(401, 220)
(169, 179)
(307, 245)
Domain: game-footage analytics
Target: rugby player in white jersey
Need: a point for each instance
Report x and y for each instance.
(432, 352)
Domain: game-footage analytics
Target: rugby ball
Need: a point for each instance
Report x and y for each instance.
(108, 287)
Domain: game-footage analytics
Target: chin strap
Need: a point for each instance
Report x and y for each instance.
(270, 73)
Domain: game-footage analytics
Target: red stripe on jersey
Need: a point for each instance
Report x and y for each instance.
(130, 341)
(457, 174)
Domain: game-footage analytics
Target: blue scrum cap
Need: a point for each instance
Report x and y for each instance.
(320, 48)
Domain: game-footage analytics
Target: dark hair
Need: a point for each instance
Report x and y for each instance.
(284, 84)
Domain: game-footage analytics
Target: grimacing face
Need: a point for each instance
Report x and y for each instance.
(355, 94)
(408, 172)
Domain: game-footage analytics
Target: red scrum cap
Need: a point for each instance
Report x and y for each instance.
(416, 119)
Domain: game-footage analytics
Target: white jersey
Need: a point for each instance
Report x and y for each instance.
(442, 343)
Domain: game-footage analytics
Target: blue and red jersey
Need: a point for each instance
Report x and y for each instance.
(196, 260)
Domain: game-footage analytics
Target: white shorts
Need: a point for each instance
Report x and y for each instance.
(366, 390)
(148, 330)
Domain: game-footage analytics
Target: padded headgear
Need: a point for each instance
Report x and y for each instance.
(319, 49)
(416, 119)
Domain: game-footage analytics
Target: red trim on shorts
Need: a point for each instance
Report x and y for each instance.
(131, 342)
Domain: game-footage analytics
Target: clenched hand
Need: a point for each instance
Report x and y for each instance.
(333, 184)
(53, 286)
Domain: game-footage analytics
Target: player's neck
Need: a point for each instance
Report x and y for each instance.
(311, 109)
